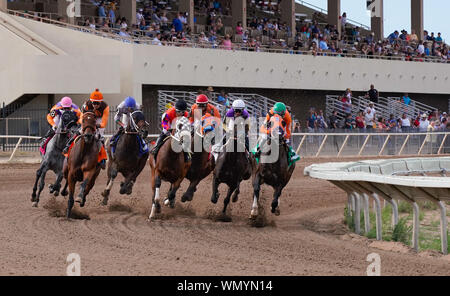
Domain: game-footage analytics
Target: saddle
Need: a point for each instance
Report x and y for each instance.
(101, 154)
(143, 147)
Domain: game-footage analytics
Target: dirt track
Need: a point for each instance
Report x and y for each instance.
(307, 239)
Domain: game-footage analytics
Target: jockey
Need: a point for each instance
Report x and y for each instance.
(55, 114)
(123, 114)
(203, 104)
(279, 109)
(168, 118)
(237, 110)
(101, 110)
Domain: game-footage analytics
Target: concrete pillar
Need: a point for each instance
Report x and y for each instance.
(128, 10)
(66, 9)
(288, 14)
(417, 17)
(334, 11)
(239, 13)
(188, 6)
(3, 5)
(376, 21)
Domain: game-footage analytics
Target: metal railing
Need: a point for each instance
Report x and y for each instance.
(313, 145)
(235, 47)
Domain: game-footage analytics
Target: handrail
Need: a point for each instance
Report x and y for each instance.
(235, 46)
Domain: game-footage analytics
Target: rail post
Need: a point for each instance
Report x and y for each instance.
(15, 149)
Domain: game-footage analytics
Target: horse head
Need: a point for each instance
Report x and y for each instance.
(88, 126)
(138, 124)
(67, 122)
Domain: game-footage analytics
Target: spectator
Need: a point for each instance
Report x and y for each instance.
(157, 39)
(372, 109)
(343, 22)
(101, 11)
(239, 29)
(405, 123)
(177, 24)
(112, 12)
(359, 121)
(333, 121)
(347, 101)
(226, 43)
(139, 16)
(424, 123)
(321, 123)
(372, 94)
(311, 121)
(406, 99)
(349, 123)
(369, 118)
(393, 37)
(439, 38)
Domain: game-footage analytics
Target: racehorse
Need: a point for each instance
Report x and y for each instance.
(129, 156)
(232, 167)
(276, 174)
(202, 162)
(82, 162)
(53, 159)
(170, 165)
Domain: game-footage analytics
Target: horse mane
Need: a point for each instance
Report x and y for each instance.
(88, 121)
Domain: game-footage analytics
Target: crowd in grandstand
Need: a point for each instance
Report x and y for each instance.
(154, 20)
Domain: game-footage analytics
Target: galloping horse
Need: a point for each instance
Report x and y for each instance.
(276, 174)
(202, 162)
(129, 157)
(53, 159)
(82, 163)
(231, 167)
(169, 164)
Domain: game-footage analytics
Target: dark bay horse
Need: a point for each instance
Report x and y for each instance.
(273, 169)
(202, 161)
(82, 163)
(129, 157)
(232, 167)
(169, 164)
(53, 159)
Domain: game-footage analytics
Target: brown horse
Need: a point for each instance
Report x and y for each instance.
(272, 168)
(169, 165)
(202, 161)
(82, 163)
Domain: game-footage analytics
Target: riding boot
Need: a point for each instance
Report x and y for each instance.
(158, 144)
(66, 149)
(50, 133)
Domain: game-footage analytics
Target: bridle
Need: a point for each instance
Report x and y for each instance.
(134, 127)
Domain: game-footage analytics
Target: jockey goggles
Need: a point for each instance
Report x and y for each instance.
(238, 110)
(202, 105)
(95, 103)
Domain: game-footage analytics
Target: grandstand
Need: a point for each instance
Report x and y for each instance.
(273, 56)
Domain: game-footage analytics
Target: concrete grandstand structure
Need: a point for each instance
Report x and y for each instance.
(79, 60)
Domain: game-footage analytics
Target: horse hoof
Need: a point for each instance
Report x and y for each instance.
(105, 202)
(56, 193)
(276, 211)
(105, 194)
(64, 193)
(122, 190)
(214, 199)
(34, 204)
(235, 198)
(166, 202)
(78, 199)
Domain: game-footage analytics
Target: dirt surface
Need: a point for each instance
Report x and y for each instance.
(308, 238)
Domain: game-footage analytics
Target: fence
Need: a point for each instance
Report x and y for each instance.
(313, 145)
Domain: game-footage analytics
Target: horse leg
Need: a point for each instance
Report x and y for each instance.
(256, 189)
(70, 202)
(57, 186)
(275, 202)
(226, 201)
(189, 194)
(215, 187)
(38, 175)
(134, 176)
(156, 207)
(41, 187)
(170, 201)
(89, 186)
(112, 174)
(236, 193)
(80, 196)
(64, 191)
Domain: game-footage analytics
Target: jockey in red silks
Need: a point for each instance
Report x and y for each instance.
(169, 118)
(54, 116)
(202, 103)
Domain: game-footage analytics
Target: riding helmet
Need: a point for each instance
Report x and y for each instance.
(130, 102)
(96, 96)
(66, 102)
(180, 105)
(201, 99)
(279, 108)
(238, 105)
